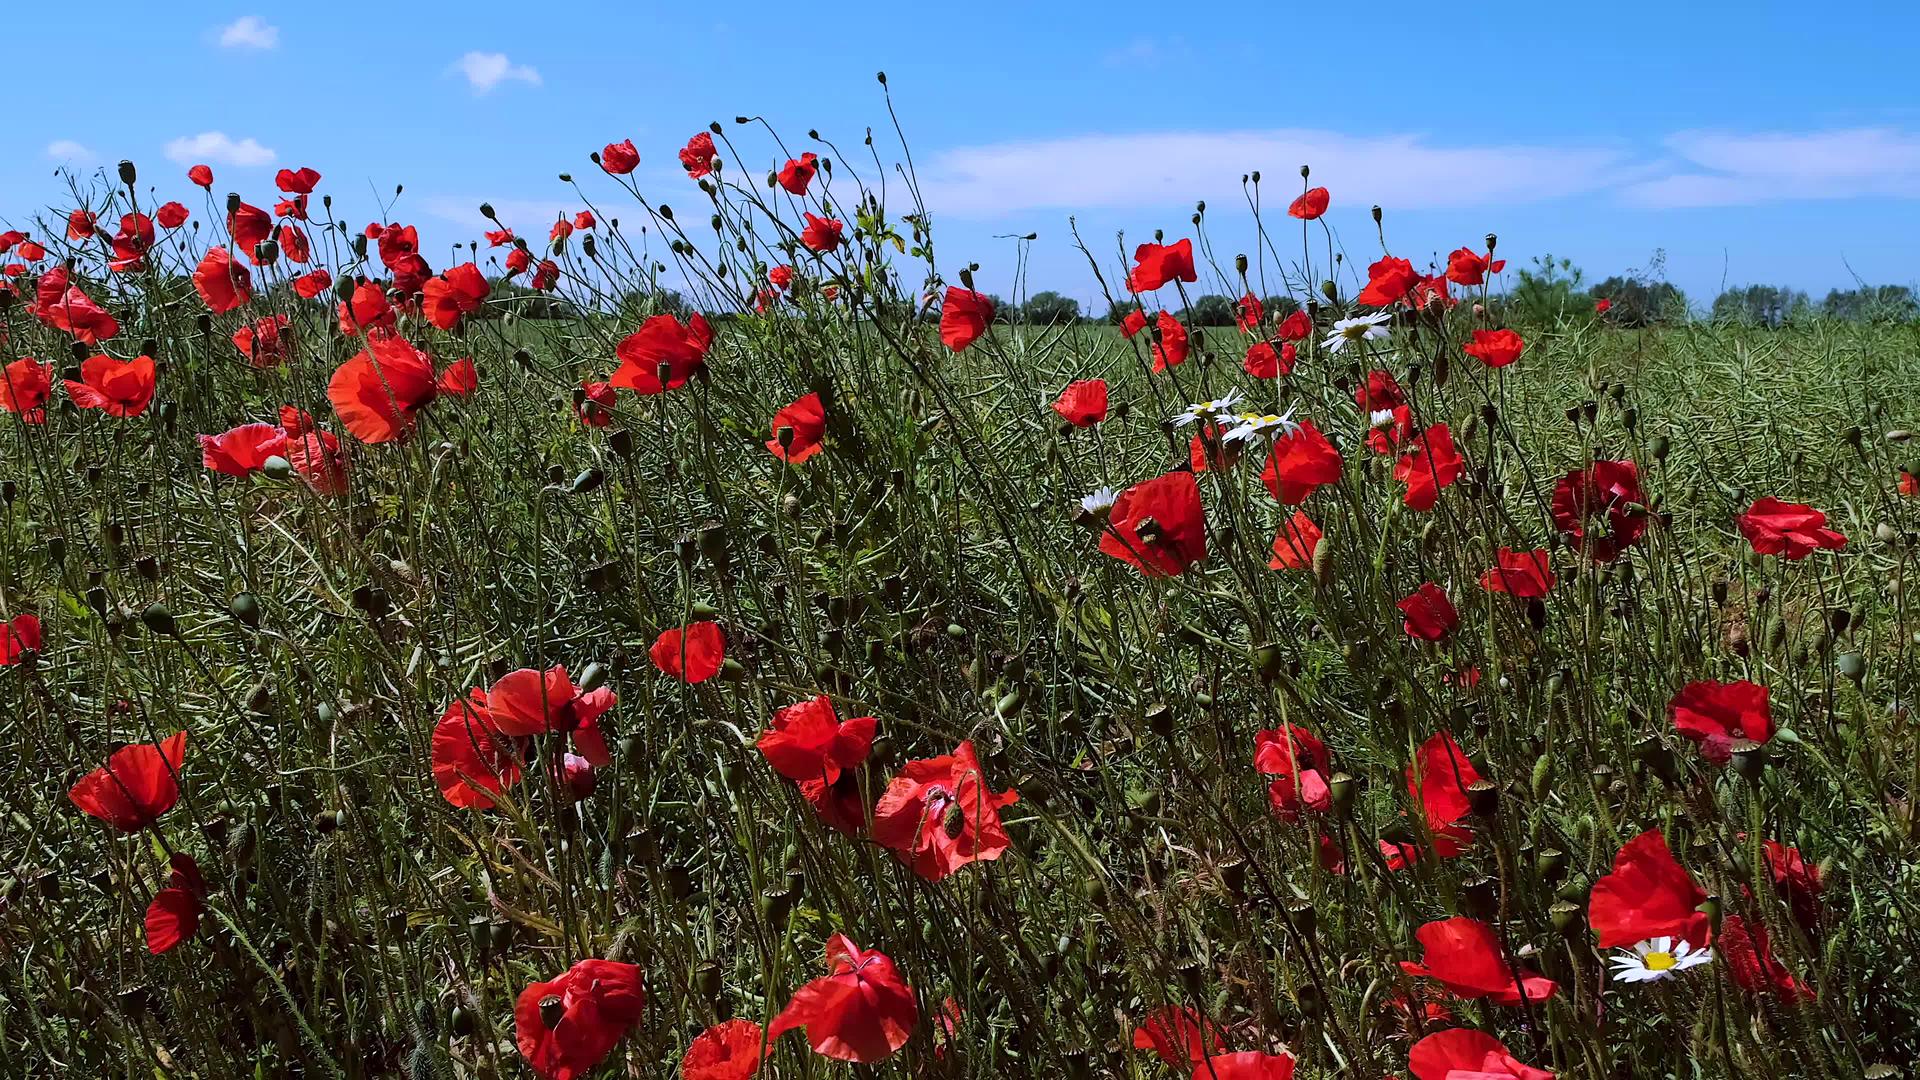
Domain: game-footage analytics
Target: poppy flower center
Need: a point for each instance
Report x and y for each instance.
(552, 1011)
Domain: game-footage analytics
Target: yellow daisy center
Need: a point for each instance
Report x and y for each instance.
(1658, 961)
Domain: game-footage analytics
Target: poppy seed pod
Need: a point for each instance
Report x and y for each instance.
(1483, 797)
(1566, 918)
(158, 620)
(1340, 792)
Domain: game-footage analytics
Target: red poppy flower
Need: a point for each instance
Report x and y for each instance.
(840, 805)
(583, 220)
(1310, 204)
(1429, 467)
(1135, 322)
(1909, 484)
(312, 283)
(1171, 349)
(137, 784)
(964, 316)
(692, 653)
(662, 341)
(1296, 327)
(518, 261)
(459, 379)
(1168, 509)
(1716, 715)
(1295, 543)
(796, 174)
(596, 404)
(318, 458)
(116, 387)
(249, 225)
(222, 283)
(171, 215)
(131, 243)
(560, 231)
(568, 1026)
(399, 245)
(545, 276)
(1438, 780)
(808, 741)
(81, 224)
(726, 1051)
(1750, 962)
(1246, 1065)
(1790, 530)
(780, 277)
(1525, 574)
(1430, 615)
(296, 181)
(1495, 348)
(1156, 264)
(26, 389)
(295, 208)
(805, 423)
(174, 914)
(1083, 403)
(861, 1011)
(11, 239)
(1798, 882)
(821, 234)
(1465, 956)
(19, 637)
(531, 702)
(1180, 1036)
(293, 244)
(459, 291)
(1380, 392)
(1608, 494)
(1266, 362)
(1466, 1054)
(499, 237)
(31, 251)
(939, 814)
(1648, 895)
(261, 342)
(242, 450)
(1209, 445)
(1301, 463)
(1428, 291)
(620, 158)
(472, 759)
(1332, 859)
(1248, 313)
(381, 390)
(68, 308)
(201, 175)
(1299, 762)
(1466, 266)
(1602, 306)
(1389, 281)
(698, 156)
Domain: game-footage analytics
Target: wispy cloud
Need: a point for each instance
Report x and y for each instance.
(1729, 169)
(1169, 168)
(485, 70)
(217, 147)
(249, 32)
(1148, 52)
(68, 152)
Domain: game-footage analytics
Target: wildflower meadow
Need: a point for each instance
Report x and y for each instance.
(713, 639)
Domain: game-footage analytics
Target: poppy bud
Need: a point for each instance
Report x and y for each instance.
(1542, 781)
(1340, 791)
(1853, 666)
(1566, 918)
(158, 620)
(1266, 660)
(1331, 291)
(588, 480)
(1630, 418)
(1659, 446)
(277, 467)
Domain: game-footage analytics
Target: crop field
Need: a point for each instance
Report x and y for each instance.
(712, 640)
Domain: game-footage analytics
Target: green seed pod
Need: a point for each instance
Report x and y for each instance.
(159, 620)
(277, 467)
(245, 609)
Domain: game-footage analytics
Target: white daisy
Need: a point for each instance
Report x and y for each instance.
(1364, 328)
(1252, 426)
(1208, 410)
(1098, 502)
(1660, 958)
(1380, 418)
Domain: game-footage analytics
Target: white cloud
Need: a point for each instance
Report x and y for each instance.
(484, 71)
(1726, 169)
(1401, 172)
(216, 147)
(249, 32)
(68, 152)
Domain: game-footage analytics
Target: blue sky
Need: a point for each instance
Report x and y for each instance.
(1752, 142)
